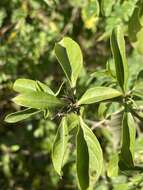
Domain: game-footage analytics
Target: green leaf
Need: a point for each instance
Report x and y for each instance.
(90, 13)
(20, 115)
(135, 27)
(38, 100)
(121, 186)
(60, 146)
(115, 128)
(59, 90)
(78, 3)
(119, 55)
(82, 160)
(70, 58)
(73, 121)
(112, 170)
(102, 110)
(128, 142)
(138, 45)
(46, 113)
(41, 88)
(28, 85)
(97, 94)
(110, 68)
(95, 154)
(134, 24)
(106, 7)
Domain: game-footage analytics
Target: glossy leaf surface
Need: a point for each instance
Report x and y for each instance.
(38, 100)
(70, 58)
(28, 85)
(95, 154)
(97, 94)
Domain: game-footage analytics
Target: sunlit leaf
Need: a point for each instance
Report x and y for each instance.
(28, 85)
(78, 3)
(97, 94)
(139, 43)
(70, 58)
(90, 13)
(102, 110)
(38, 100)
(95, 154)
(60, 146)
(20, 115)
(106, 6)
(121, 186)
(135, 27)
(73, 121)
(113, 168)
(134, 24)
(119, 55)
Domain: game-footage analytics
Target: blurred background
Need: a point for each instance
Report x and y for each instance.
(28, 32)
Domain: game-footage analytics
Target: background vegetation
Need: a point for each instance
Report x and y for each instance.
(28, 32)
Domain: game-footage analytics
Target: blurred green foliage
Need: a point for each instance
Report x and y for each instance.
(28, 32)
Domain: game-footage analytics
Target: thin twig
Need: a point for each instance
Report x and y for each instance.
(5, 29)
(96, 124)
